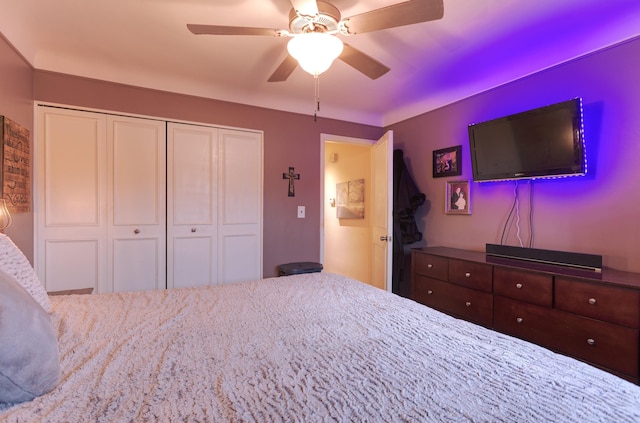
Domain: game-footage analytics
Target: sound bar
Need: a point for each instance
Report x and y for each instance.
(563, 258)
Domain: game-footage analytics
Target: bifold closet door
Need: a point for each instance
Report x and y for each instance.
(214, 216)
(101, 195)
(71, 199)
(192, 214)
(136, 231)
(128, 204)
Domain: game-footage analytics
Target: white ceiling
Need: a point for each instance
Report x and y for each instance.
(479, 44)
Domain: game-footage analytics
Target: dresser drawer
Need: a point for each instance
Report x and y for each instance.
(472, 275)
(604, 344)
(432, 266)
(535, 288)
(467, 303)
(602, 302)
(523, 320)
(611, 346)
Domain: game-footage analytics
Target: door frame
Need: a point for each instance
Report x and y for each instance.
(324, 138)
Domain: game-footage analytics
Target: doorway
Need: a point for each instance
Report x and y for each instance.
(347, 209)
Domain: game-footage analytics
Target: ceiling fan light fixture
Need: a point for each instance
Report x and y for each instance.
(315, 51)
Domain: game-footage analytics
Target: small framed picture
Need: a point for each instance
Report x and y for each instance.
(447, 162)
(458, 198)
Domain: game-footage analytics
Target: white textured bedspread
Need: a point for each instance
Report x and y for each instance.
(306, 348)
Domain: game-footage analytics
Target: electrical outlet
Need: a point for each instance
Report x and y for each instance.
(300, 212)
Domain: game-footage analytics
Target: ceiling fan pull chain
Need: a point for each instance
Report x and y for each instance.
(317, 99)
(317, 78)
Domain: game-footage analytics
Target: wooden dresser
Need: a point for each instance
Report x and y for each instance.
(591, 316)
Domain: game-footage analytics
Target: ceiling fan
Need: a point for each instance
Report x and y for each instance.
(319, 22)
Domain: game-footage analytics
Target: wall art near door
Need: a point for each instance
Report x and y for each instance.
(447, 162)
(350, 199)
(16, 166)
(458, 198)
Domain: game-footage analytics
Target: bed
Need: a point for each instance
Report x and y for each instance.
(311, 347)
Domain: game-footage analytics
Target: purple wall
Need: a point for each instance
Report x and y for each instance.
(289, 140)
(16, 103)
(597, 214)
(594, 214)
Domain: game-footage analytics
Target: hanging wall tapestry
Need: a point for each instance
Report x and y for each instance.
(16, 166)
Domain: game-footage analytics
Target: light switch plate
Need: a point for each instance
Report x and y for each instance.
(301, 211)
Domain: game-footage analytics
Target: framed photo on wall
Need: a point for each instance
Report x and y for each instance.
(447, 162)
(458, 198)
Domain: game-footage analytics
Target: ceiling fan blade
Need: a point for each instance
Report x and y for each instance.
(232, 30)
(305, 7)
(407, 13)
(286, 68)
(362, 62)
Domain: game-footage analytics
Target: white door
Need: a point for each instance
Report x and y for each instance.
(192, 214)
(240, 206)
(382, 218)
(136, 235)
(71, 196)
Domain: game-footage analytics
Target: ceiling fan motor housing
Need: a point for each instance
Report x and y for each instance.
(326, 21)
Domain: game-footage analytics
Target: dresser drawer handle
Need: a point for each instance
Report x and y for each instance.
(519, 319)
(429, 265)
(592, 301)
(136, 231)
(519, 285)
(429, 292)
(468, 304)
(467, 275)
(591, 341)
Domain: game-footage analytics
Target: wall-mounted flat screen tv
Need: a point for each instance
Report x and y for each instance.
(547, 142)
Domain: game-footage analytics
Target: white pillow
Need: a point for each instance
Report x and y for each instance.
(14, 263)
(29, 357)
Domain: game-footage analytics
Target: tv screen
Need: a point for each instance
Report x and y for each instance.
(540, 143)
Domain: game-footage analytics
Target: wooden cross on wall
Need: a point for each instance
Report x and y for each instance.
(291, 177)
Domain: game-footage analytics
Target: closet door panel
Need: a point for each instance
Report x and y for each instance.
(138, 172)
(194, 261)
(240, 196)
(240, 260)
(241, 178)
(192, 173)
(73, 170)
(137, 264)
(72, 264)
(137, 231)
(193, 157)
